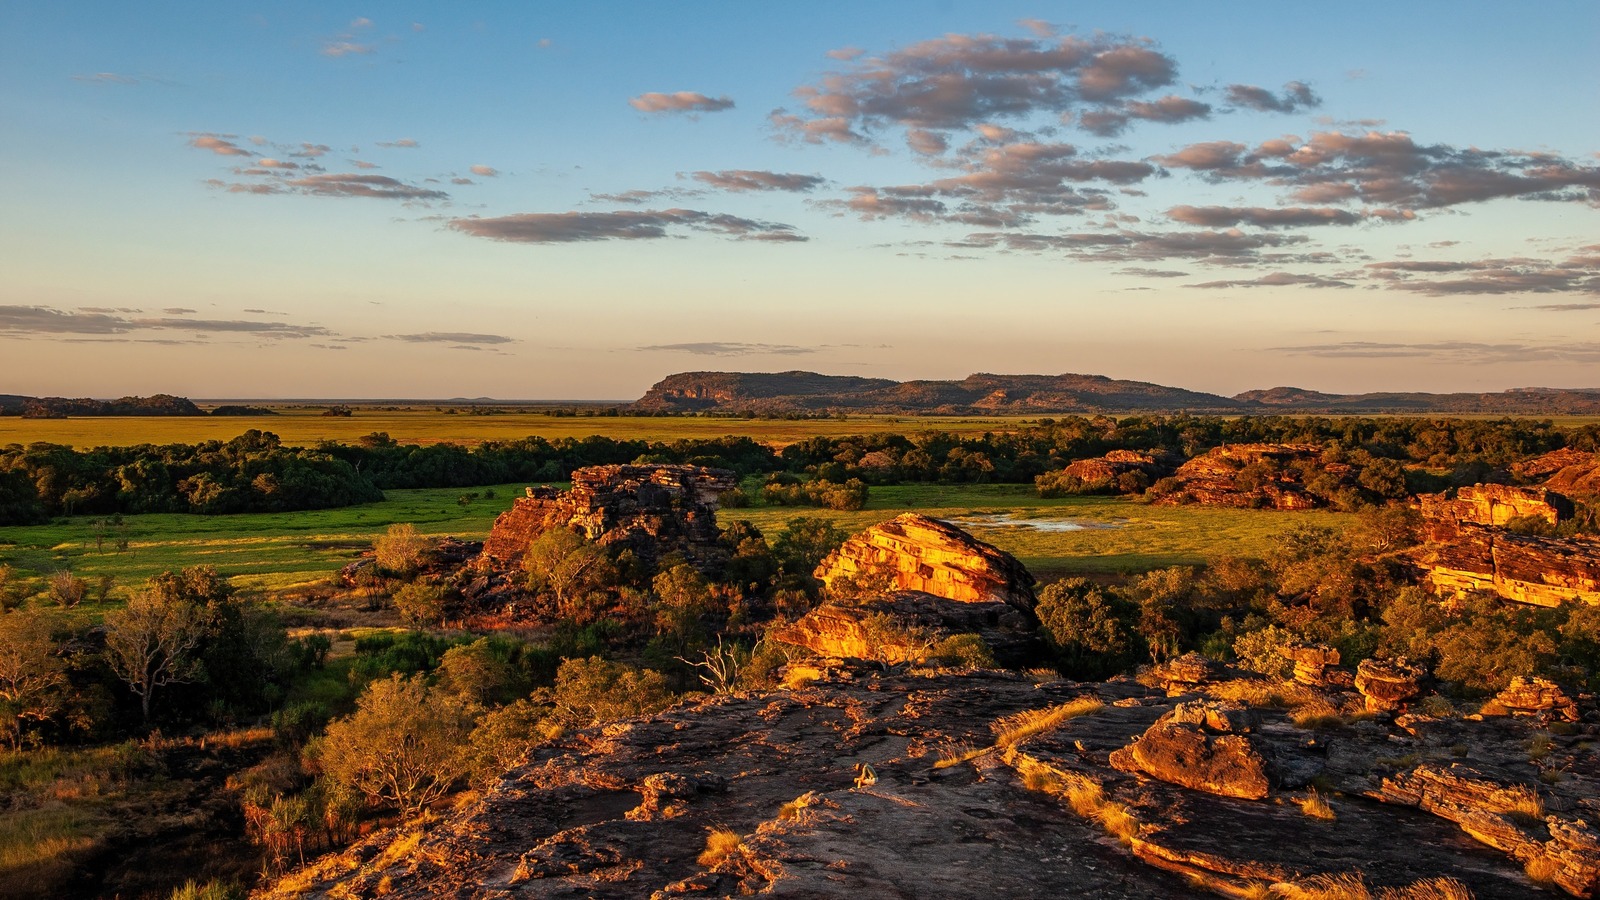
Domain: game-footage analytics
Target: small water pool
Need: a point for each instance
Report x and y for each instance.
(1010, 520)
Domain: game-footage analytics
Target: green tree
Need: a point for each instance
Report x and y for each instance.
(420, 604)
(32, 675)
(405, 744)
(1091, 628)
(563, 564)
(400, 550)
(591, 691)
(151, 643)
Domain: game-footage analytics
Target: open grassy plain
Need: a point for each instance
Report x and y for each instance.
(268, 552)
(305, 426)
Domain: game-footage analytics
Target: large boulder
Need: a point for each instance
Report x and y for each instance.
(1203, 746)
(1388, 683)
(916, 553)
(650, 509)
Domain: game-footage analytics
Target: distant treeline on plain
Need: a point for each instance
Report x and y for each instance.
(256, 473)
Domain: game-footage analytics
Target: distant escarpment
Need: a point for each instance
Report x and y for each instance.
(985, 394)
(784, 392)
(62, 407)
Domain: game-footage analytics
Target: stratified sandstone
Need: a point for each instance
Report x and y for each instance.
(915, 553)
(1467, 550)
(1490, 505)
(1538, 697)
(900, 627)
(1251, 476)
(1203, 746)
(622, 810)
(651, 509)
(1388, 683)
(1545, 465)
(1104, 471)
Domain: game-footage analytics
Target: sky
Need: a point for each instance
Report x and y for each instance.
(539, 201)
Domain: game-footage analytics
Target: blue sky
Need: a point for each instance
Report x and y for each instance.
(573, 200)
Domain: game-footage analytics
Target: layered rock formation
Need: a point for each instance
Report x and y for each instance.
(1250, 476)
(916, 553)
(1105, 471)
(1466, 550)
(650, 509)
(623, 810)
(1490, 505)
(903, 626)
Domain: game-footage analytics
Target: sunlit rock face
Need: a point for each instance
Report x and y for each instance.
(1263, 476)
(652, 509)
(915, 553)
(1468, 549)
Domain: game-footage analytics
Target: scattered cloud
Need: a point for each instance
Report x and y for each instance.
(1263, 217)
(337, 48)
(220, 144)
(1142, 272)
(403, 143)
(569, 227)
(452, 337)
(1469, 352)
(178, 310)
(353, 185)
(1276, 279)
(758, 180)
(106, 78)
(38, 320)
(1297, 95)
(679, 102)
(1578, 273)
(1113, 120)
(959, 81)
(731, 348)
(485, 171)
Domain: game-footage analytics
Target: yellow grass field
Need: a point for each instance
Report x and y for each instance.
(304, 426)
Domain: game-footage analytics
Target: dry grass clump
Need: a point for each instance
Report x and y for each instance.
(1353, 886)
(1542, 869)
(1015, 729)
(1261, 692)
(721, 843)
(1315, 807)
(1087, 799)
(1524, 805)
(793, 808)
(1318, 715)
(958, 754)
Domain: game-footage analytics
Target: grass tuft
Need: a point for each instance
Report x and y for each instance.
(1315, 807)
(1015, 729)
(721, 843)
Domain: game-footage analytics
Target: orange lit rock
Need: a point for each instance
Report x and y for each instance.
(915, 553)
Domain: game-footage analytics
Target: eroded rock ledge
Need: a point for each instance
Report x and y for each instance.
(990, 783)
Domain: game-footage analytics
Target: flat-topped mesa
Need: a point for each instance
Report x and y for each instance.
(917, 553)
(1494, 505)
(1251, 476)
(653, 509)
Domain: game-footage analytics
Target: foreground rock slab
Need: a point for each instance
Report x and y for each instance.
(990, 784)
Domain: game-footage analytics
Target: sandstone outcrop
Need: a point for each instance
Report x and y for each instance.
(1250, 476)
(1489, 505)
(1538, 697)
(650, 509)
(1317, 665)
(1388, 683)
(1547, 464)
(1103, 472)
(623, 810)
(1202, 746)
(1467, 550)
(916, 553)
(1580, 478)
(1182, 674)
(901, 627)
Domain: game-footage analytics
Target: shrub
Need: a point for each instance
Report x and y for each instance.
(66, 589)
(400, 550)
(420, 604)
(405, 745)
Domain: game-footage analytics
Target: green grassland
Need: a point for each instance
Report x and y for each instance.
(304, 426)
(269, 552)
(1123, 535)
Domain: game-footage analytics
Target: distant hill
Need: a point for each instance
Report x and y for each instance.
(978, 394)
(61, 407)
(987, 394)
